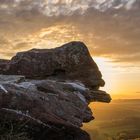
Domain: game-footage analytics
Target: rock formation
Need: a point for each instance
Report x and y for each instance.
(51, 89)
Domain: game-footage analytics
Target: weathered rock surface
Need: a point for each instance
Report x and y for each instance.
(3, 65)
(54, 92)
(70, 61)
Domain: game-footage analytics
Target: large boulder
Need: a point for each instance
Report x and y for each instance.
(48, 101)
(48, 105)
(49, 91)
(71, 61)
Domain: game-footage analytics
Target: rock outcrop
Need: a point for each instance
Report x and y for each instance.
(51, 91)
(71, 61)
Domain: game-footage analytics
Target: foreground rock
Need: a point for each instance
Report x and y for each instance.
(70, 61)
(54, 92)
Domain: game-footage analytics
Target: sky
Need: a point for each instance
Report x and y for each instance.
(109, 28)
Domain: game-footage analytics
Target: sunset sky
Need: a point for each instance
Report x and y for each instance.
(109, 28)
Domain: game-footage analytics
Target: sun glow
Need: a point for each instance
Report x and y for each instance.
(106, 68)
(119, 79)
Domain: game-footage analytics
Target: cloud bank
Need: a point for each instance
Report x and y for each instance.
(65, 7)
(109, 27)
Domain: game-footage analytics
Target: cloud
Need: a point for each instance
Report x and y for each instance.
(9, 48)
(47, 7)
(50, 23)
(64, 7)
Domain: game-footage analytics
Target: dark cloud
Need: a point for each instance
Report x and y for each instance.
(67, 7)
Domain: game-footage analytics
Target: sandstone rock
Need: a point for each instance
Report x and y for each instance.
(49, 104)
(53, 94)
(4, 65)
(50, 100)
(40, 131)
(99, 96)
(11, 79)
(71, 61)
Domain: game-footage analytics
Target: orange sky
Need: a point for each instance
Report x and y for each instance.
(121, 80)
